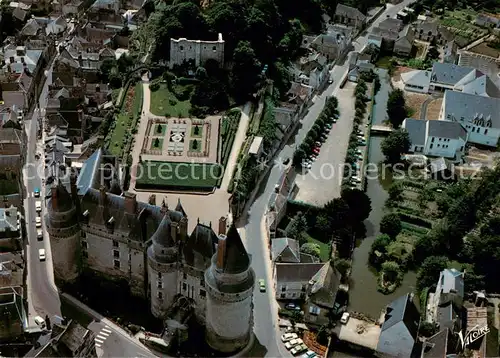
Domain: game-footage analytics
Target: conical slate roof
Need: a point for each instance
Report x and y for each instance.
(236, 259)
(179, 208)
(162, 235)
(64, 200)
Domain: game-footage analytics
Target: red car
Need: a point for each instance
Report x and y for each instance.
(316, 150)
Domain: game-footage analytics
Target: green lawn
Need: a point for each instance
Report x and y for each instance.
(459, 22)
(179, 176)
(384, 62)
(8, 186)
(195, 147)
(164, 103)
(324, 249)
(193, 131)
(160, 129)
(158, 141)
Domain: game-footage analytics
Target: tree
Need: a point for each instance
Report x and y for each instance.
(159, 128)
(157, 142)
(429, 271)
(427, 329)
(390, 225)
(395, 192)
(196, 130)
(391, 271)
(337, 211)
(299, 156)
(195, 144)
(432, 54)
(298, 227)
(343, 266)
(376, 84)
(381, 242)
(323, 224)
(311, 249)
(396, 144)
(358, 202)
(396, 107)
(246, 69)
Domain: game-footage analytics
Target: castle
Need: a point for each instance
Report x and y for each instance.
(111, 233)
(199, 51)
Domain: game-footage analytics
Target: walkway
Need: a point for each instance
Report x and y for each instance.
(238, 142)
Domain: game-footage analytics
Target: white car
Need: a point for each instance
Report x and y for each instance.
(293, 343)
(38, 206)
(288, 337)
(41, 254)
(308, 354)
(39, 234)
(356, 179)
(298, 349)
(345, 318)
(38, 221)
(39, 321)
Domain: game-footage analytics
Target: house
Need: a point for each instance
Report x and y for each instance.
(321, 295)
(359, 69)
(435, 346)
(349, 16)
(13, 321)
(447, 301)
(184, 50)
(68, 339)
(391, 24)
(404, 43)
(287, 250)
(487, 20)
(450, 52)
(300, 95)
(490, 66)
(10, 227)
(291, 279)
(314, 71)
(278, 201)
(446, 76)
(333, 44)
(430, 31)
(106, 5)
(442, 168)
(399, 329)
(477, 317)
(479, 115)
(382, 38)
(436, 138)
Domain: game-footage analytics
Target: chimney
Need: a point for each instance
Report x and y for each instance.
(53, 191)
(130, 203)
(222, 225)
(221, 251)
(72, 181)
(102, 196)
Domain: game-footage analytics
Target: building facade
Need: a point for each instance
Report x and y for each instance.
(111, 234)
(184, 50)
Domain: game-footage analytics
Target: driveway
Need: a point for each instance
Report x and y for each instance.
(324, 180)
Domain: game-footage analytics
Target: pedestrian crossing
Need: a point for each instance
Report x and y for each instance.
(102, 336)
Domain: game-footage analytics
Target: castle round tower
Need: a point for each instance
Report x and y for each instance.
(162, 267)
(62, 226)
(229, 281)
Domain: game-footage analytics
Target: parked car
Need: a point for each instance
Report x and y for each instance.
(333, 119)
(262, 285)
(330, 81)
(41, 254)
(308, 354)
(361, 142)
(38, 222)
(286, 161)
(355, 179)
(36, 193)
(318, 144)
(316, 150)
(292, 306)
(358, 151)
(328, 125)
(293, 343)
(299, 349)
(39, 321)
(345, 317)
(39, 235)
(288, 337)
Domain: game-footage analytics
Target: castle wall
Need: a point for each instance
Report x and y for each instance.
(192, 285)
(200, 51)
(105, 250)
(65, 247)
(166, 283)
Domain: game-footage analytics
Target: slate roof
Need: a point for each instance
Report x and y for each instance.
(436, 346)
(203, 241)
(449, 74)
(8, 219)
(324, 286)
(391, 24)
(482, 86)
(285, 250)
(349, 12)
(416, 129)
(384, 33)
(64, 200)
(446, 129)
(401, 323)
(465, 108)
(31, 58)
(296, 272)
(452, 280)
(163, 234)
(236, 259)
(31, 28)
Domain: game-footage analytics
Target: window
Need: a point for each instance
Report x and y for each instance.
(432, 145)
(203, 293)
(184, 276)
(432, 140)
(314, 310)
(160, 296)
(159, 275)
(85, 254)
(282, 295)
(116, 254)
(182, 48)
(184, 286)
(438, 145)
(115, 243)
(214, 48)
(159, 284)
(303, 289)
(202, 282)
(283, 288)
(83, 234)
(85, 245)
(116, 263)
(485, 131)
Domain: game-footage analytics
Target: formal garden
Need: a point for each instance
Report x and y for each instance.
(120, 131)
(170, 100)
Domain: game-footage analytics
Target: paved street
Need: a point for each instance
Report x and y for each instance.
(255, 237)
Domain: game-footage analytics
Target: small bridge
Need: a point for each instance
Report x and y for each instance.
(381, 129)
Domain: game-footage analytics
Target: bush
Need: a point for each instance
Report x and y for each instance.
(154, 86)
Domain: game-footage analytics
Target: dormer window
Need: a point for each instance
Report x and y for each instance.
(111, 220)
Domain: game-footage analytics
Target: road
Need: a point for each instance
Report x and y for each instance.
(256, 240)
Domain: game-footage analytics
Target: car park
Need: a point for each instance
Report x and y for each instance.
(298, 349)
(293, 343)
(288, 337)
(262, 285)
(345, 317)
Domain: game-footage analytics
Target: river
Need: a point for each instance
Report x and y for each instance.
(363, 294)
